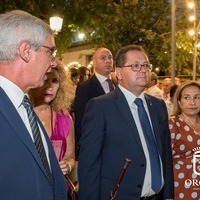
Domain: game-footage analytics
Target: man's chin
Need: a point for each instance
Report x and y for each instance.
(45, 77)
(41, 83)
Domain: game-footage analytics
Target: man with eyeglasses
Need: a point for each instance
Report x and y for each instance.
(29, 169)
(126, 123)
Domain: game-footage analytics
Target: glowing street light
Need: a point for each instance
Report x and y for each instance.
(173, 42)
(56, 24)
(191, 5)
(191, 32)
(192, 18)
(81, 36)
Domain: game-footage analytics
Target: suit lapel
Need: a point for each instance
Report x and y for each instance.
(95, 83)
(127, 115)
(19, 128)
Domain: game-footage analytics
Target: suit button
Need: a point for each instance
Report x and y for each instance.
(139, 185)
(142, 165)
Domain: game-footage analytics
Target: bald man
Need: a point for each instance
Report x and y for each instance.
(95, 86)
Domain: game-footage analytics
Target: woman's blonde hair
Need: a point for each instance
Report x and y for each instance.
(65, 94)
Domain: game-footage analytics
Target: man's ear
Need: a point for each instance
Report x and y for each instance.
(25, 51)
(118, 72)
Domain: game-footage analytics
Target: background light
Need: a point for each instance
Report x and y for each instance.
(56, 24)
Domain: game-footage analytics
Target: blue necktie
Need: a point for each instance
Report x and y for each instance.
(156, 180)
(36, 136)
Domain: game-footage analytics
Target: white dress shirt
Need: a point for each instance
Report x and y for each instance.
(130, 97)
(103, 82)
(154, 91)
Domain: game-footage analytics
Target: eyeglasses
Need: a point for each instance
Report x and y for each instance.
(137, 67)
(51, 53)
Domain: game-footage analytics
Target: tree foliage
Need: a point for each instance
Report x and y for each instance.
(116, 23)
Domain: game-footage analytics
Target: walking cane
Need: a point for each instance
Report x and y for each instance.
(73, 189)
(120, 177)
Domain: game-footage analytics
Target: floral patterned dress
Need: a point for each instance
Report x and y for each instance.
(185, 144)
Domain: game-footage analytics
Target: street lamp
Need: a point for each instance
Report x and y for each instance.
(56, 24)
(195, 33)
(195, 51)
(81, 36)
(173, 43)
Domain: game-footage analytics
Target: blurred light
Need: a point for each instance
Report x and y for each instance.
(81, 36)
(74, 64)
(66, 68)
(191, 5)
(192, 18)
(191, 32)
(56, 24)
(90, 65)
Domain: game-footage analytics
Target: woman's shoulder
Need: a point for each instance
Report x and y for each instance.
(174, 119)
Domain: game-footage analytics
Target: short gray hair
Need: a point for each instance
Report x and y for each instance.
(17, 26)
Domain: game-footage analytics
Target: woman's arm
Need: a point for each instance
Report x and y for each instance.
(68, 162)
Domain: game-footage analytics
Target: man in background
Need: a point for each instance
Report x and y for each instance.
(166, 85)
(152, 87)
(95, 86)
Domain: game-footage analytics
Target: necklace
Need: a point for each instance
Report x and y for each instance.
(44, 114)
(43, 122)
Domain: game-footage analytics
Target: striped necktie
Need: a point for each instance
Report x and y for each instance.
(37, 136)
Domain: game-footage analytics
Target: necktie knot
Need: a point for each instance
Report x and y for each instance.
(138, 102)
(26, 103)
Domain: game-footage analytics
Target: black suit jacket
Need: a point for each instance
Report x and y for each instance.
(109, 135)
(84, 92)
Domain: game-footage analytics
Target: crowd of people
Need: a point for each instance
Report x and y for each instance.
(84, 126)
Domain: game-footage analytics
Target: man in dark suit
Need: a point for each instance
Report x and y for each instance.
(112, 131)
(93, 87)
(27, 50)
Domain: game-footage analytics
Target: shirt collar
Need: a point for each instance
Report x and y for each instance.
(100, 77)
(130, 97)
(14, 93)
